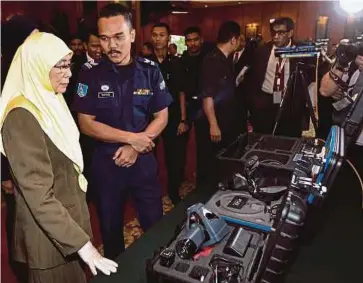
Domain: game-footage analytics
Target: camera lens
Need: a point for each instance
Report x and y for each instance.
(186, 248)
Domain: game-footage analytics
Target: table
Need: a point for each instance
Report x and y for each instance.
(333, 256)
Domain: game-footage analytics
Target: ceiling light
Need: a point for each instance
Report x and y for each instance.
(206, 6)
(179, 12)
(351, 6)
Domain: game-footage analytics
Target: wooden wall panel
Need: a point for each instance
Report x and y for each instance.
(44, 10)
(270, 10)
(337, 21)
(305, 14)
(10, 8)
(253, 13)
(289, 9)
(305, 25)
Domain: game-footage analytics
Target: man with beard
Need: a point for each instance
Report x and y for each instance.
(174, 136)
(115, 102)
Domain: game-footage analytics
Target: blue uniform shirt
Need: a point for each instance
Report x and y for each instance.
(123, 97)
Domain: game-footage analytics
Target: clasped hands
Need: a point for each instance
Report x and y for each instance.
(126, 155)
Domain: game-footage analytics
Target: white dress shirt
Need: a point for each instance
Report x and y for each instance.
(89, 58)
(268, 84)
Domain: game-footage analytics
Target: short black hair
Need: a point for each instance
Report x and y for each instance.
(227, 31)
(91, 31)
(162, 25)
(286, 21)
(88, 32)
(174, 45)
(114, 10)
(77, 35)
(193, 29)
(148, 45)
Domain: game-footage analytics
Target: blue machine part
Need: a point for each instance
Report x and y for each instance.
(245, 223)
(329, 149)
(215, 227)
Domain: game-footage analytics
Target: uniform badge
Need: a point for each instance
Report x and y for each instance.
(106, 94)
(143, 92)
(82, 90)
(105, 87)
(162, 85)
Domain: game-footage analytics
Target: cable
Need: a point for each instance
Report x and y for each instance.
(358, 176)
(316, 110)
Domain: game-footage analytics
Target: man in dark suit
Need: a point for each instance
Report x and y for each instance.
(240, 65)
(265, 82)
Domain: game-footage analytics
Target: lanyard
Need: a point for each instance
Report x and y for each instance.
(279, 67)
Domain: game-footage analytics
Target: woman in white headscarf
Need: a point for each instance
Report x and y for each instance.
(40, 139)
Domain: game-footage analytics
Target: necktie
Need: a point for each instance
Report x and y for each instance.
(235, 59)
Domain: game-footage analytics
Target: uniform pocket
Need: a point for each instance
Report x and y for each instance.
(141, 100)
(107, 103)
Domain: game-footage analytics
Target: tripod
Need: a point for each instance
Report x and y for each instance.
(290, 89)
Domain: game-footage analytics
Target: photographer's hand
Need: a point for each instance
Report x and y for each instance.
(328, 86)
(359, 62)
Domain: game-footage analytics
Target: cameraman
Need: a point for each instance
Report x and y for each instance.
(338, 83)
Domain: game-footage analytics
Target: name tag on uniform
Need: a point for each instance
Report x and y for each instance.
(143, 92)
(277, 97)
(106, 94)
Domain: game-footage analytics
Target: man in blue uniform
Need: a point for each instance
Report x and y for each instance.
(115, 101)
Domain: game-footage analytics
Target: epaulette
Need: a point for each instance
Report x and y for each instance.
(146, 61)
(89, 65)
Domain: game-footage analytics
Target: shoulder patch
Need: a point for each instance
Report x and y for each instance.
(148, 61)
(162, 85)
(82, 90)
(89, 65)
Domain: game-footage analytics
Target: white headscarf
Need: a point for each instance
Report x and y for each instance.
(28, 80)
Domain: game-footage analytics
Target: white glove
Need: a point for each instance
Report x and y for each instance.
(89, 254)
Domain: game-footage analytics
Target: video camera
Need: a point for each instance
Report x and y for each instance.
(347, 51)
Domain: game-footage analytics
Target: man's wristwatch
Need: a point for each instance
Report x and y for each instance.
(183, 121)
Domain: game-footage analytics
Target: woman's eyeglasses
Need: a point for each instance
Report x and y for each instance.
(64, 68)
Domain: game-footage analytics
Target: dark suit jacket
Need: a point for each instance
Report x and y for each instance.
(256, 75)
(240, 91)
(244, 60)
(52, 219)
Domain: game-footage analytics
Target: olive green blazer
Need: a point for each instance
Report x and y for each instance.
(52, 218)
